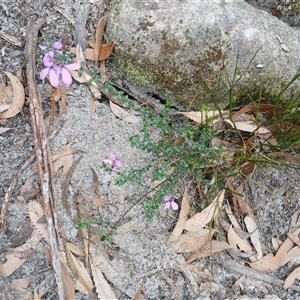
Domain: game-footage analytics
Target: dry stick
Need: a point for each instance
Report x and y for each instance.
(9, 192)
(41, 147)
(237, 267)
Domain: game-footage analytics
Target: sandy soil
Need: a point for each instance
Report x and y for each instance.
(140, 256)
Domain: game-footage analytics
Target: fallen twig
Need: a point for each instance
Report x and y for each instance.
(42, 149)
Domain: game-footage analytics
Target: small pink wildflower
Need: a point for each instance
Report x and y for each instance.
(113, 162)
(152, 132)
(55, 71)
(64, 71)
(95, 225)
(170, 203)
(56, 68)
(56, 45)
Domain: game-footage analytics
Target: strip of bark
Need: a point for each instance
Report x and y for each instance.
(42, 148)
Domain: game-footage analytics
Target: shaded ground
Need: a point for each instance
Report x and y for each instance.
(140, 249)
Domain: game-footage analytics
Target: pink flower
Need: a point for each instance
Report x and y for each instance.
(64, 71)
(54, 67)
(56, 45)
(113, 162)
(55, 71)
(170, 202)
(152, 132)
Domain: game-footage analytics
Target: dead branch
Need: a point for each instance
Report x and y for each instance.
(42, 148)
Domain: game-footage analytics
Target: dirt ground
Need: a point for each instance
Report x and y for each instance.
(140, 256)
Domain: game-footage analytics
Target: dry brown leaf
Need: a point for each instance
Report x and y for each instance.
(3, 107)
(103, 73)
(92, 43)
(285, 253)
(21, 283)
(79, 55)
(199, 116)
(186, 243)
(105, 52)
(19, 286)
(55, 94)
(234, 196)
(79, 287)
(80, 79)
(99, 37)
(248, 126)
(92, 105)
(185, 208)
(85, 236)
(85, 78)
(268, 110)
(252, 228)
(69, 286)
(95, 91)
(276, 243)
(47, 255)
(12, 264)
(294, 238)
(18, 97)
(66, 183)
(139, 291)
(6, 95)
(239, 283)
(11, 39)
(37, 217)
(103, 288)
(31, 243)
(236, 242)
(245, 208)
(172, 285)
(242, 234)
(266, 139)
(36, 296)
(98, 201)
(198, 221)
(247, 168)
(209, 249)
(74, 249)
(122, 114)
(63, 158)
(291, 278)
(285, 155)
(80, 272)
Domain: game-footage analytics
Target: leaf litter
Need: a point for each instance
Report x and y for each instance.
(195, 225)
